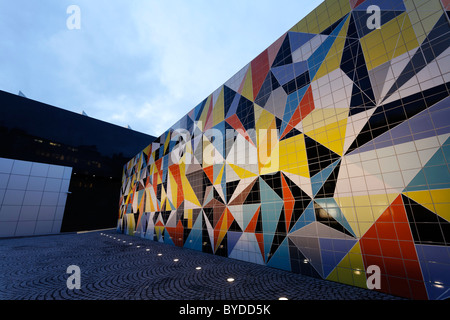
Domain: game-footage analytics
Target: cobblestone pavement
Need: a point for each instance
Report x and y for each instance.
(119, 267)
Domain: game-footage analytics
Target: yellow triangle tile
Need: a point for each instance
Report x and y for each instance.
(333, 276)
(443, 210)
(166, 143)
(362, 211)
(163, 194)
(219, 176)
(148, 203)
(293, 157)
(423, 16)
(331, 136)
(247, 90)
(218, 111)
(268, 150)
(422, 197)
(265, 120)
(202, 120)
(436, 201)
(147, 150)
(188, 192)
(355, 257)
(350, 269)
(393, 39)
(241, 172)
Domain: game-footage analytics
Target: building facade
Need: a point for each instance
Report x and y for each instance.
(90, 152)
(326, 155)
(32, 197)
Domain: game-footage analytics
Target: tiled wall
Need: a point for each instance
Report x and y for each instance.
(325, 155)
(32, 197)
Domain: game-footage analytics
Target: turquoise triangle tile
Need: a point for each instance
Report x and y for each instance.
(224, 184)
(194, 240)
(249, 211)
(292, 102)
(167, 238)
(330, 205)
(271, 206)
(435, 173)
(281, 258)
(306, 218)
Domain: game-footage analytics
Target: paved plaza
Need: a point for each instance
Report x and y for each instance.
(120, 267)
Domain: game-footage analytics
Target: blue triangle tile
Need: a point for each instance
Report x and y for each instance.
(319, 179)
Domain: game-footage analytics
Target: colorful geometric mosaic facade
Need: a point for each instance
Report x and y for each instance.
(325, 155)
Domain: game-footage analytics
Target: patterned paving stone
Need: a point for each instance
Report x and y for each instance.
(120, 267)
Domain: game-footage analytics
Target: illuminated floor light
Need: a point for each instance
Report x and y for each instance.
(159, 254)
(198, 268)
(147, 250)
(283, 298)
(176, 260)
(230, 279)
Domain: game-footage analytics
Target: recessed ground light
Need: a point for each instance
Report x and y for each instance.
(159, 254)
(230, 279)
(305, 261)
(147, 249)
(283, 298)
(198, 268)
(130, 244)
(138, 246)
(176, 260)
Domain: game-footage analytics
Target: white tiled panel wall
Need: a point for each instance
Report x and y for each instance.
(32, 197)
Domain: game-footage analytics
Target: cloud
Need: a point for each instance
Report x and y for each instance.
(143, 63)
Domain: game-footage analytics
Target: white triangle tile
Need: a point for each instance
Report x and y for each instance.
(237, 212)
(354, 126)
(209, 228)
(235, 82)
(302, 182)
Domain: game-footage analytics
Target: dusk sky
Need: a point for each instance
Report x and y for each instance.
(141, 63)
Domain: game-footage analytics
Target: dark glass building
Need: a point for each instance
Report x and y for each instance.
(95, 150)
